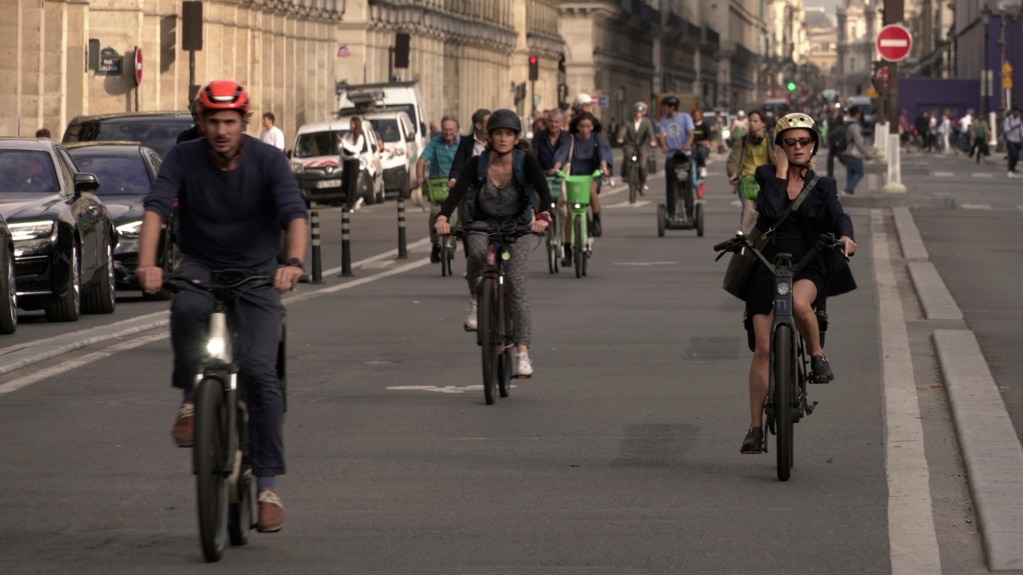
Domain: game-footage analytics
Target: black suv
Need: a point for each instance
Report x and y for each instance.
(156, 130)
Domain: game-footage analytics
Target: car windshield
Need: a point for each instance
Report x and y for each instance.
(118, 175)
(158, 133)
(314, 144)
(387, 128)
(27, 172)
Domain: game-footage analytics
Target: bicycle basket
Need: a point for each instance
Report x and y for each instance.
(749, 187)
(437, 190)
(578, 189)
(556, 187)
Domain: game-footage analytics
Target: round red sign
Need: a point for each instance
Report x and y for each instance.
(894, 43)
(138, 66)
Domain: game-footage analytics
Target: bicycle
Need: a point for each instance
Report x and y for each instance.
(787, 398)
(578, 199)
(632, 165)
(437, 190)
(495, 331)
(687, 181)
(554, 242)
(225, 486)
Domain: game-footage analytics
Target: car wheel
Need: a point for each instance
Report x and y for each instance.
(366, 191)
(8, 296)
(68, 307)
(103, 297)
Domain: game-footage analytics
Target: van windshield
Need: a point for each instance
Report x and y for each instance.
(314, 144)
(387, 129)
(409, 109)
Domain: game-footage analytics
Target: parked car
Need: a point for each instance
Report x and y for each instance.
(399, 149)
(315, 160)
(156, 130)
(126, 170)
(8, 287)
(63, 234)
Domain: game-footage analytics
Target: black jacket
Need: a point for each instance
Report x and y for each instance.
(822, 212)
(462, 156)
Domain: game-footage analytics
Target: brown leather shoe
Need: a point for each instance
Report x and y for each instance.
(183, 431)
(271, 512)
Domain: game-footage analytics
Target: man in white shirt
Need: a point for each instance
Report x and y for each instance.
(1011, 128)
(271, 134)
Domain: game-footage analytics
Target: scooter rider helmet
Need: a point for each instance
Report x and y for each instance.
(504, 118)
(671, 101)
(797, 120)
(639, 107)
(224, 95)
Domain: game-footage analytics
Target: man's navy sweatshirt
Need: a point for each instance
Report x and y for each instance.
(228, 219)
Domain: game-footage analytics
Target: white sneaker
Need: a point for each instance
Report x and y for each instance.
(1012, 174)
(702, 172)
(471, 314)
(523, 367)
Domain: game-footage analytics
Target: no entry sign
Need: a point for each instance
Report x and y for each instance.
(894, 43)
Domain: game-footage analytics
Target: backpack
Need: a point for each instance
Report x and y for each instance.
(518, 172)
(838, 138)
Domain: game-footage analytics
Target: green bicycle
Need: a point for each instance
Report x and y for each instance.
(437, 192)
(577, 198)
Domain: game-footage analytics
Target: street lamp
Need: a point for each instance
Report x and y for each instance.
(985, 73)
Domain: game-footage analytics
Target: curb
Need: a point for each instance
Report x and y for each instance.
(991, 451)
(934, 296)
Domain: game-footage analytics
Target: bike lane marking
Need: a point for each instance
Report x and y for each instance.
(911, 534)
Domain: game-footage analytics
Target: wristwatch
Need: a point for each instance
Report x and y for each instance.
(295, 263)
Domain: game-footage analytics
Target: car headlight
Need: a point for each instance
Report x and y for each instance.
(30, 230)
(297, 167)
(130, 229)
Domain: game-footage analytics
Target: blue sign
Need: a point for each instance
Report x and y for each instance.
(603, 100)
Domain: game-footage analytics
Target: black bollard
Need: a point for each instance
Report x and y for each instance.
(402, 248)
(314, 227)
(346, 250)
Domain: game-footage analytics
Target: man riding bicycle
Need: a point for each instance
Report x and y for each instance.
(637, 137)
(235, 195)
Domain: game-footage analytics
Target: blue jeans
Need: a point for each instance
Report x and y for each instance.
(260, 317)
(854, 173)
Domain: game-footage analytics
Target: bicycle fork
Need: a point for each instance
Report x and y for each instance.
(221, 369)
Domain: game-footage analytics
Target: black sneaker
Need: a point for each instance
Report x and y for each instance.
(566, 262)
(820, 370)
(754, 442)
(435, 254)
(595, 228)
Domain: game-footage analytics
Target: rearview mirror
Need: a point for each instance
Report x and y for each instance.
(85, 182)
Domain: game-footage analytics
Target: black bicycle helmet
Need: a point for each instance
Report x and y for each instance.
(670, 101)
(504, 118)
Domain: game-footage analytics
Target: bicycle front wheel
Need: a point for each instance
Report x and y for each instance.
(784, 391)
(490, 337)
(633, 181)
(210, 456)
(505, 358)
(577, 245)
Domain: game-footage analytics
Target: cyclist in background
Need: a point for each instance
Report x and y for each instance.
(587, 151)
(195, 131)
(751, 150)
(548, 143)
(235, 196)
(676, 137)
(828, 274)
(701, 141)
(470, 146)
(439, 153)
(638, 137)
(504, 189)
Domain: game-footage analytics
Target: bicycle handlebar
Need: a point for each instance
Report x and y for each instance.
(503, 230)
(227, 279)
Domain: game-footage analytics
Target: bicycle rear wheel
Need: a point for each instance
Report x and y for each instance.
(784, 389)
(489, 336)
(210, 455)
(552, 246)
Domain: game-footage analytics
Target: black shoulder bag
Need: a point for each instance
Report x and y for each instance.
(742, 264)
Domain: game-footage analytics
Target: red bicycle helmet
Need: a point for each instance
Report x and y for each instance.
(224, 95)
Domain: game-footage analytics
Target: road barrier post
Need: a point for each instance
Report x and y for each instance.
(402, 248)
(314, 227)
(346, 250)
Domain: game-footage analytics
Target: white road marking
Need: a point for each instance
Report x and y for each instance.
(982, 175)
(639, 203)
(1020, 207)
(944, 174)
(66, 366)
(437, 389)
(911, 534)
(975, 206)
(645, 264)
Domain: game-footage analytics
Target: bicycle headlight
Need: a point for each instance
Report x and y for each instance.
(30, 230)
(215, 347)
(783, 288)
(130, 229)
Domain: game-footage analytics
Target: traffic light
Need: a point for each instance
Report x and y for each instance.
(791, 86)
(534, 68)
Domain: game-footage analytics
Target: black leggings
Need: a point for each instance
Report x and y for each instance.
(350, 180)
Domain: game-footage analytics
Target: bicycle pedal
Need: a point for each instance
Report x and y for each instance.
(809, 407)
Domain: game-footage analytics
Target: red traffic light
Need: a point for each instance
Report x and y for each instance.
(532, 60)
(534, 68)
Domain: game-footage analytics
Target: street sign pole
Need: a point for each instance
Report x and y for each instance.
(893, 14)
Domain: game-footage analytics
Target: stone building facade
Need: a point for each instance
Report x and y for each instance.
(466, 54)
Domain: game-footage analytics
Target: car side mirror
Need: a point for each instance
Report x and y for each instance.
(288, 153)
(85, 182)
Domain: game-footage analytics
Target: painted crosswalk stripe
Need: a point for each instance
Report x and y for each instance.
(976, 206)
(982, 175)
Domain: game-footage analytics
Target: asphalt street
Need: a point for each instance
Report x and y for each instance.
(619, 456)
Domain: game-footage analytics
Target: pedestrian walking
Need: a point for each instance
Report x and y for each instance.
(856, 153)
(271, 134)
(1011, 131)
(978, 138)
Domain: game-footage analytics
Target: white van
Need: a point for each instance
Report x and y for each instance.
(399, 149)
(315, 162)
(399, 96)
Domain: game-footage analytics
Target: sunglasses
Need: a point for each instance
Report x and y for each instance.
(803, 142)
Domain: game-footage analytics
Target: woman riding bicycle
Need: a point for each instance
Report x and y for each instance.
(586, 152)
(501, 183)
(828, 274)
